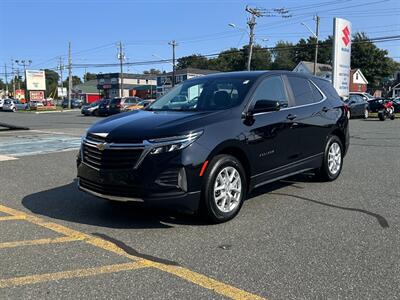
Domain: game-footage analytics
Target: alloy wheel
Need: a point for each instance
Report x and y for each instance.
(227, 189)
(334, 158)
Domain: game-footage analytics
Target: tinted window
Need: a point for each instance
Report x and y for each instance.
(302, 91)
(316, 93)
(327, 88)
(272, 88)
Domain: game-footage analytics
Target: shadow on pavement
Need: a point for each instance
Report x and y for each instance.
(69, 204)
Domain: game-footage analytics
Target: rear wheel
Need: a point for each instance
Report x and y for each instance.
(333, 160)
(382, 116)
(14, 109)
(224, 189)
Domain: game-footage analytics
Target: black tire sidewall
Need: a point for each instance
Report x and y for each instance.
(325, 169)
(216, 165)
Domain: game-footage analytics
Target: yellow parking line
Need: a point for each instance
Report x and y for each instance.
(16, 217)
(64, 239)
(184, 273)
(31, 279)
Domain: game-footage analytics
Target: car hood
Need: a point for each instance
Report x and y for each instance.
(139, 125)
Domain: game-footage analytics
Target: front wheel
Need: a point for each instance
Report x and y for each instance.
(224, 188)
(366, 113)
(333, 160)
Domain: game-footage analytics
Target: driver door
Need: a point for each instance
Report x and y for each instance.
(272, 140)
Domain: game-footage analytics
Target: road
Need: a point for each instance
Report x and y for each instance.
(292, 239)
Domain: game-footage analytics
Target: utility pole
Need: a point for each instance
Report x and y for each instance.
(173, 44)
(69, 75)
(252, 24)
(24, 63)
(5, 73)
(316, 44)
(13, 78)
(61, 68)
(121, 57)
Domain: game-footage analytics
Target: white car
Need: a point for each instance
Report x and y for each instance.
(14, 105)
(36, 104)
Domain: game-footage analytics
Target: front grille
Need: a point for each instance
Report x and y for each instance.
(111, 190)
(110, 158)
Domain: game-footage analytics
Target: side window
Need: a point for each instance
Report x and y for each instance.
(271, 88)
(302, 92)
(316, 93)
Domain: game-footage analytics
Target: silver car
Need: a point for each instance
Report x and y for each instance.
(14, 105)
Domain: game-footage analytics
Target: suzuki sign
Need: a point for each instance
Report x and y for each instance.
(341, 56)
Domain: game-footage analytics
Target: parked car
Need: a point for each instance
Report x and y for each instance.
(35, 104)
(14, 105)
(75, 103)
(358, 107)
(91, 109)
(233, 133)
(140, 105)
(118, 105)
(396, 105)
(104, 107)
(376, 104)
(2, 103)
(365, 96)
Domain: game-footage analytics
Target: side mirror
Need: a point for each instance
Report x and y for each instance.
(266, 106)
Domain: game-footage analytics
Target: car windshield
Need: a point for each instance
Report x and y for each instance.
(7, 102)
(202, 94)
(94, 104)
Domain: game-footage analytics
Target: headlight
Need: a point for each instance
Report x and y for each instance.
(170, 144)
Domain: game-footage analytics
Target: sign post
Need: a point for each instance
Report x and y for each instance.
(341, 56)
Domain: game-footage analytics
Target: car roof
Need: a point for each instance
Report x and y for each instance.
(257, 74)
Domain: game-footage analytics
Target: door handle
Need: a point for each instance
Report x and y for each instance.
(291, 117)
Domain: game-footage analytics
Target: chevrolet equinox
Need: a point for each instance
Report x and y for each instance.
(211, 140)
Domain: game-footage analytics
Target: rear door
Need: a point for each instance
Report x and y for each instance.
(310, 116)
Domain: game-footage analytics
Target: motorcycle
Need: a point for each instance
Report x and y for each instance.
(387, 111)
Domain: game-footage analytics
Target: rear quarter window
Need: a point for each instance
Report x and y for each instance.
(327, 88)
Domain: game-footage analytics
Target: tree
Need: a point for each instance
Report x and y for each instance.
(51, 82)
(261, 58)
(152, 71)
(75, 81)
(284, 56)
(89, 76)
(304, 50)
(193, 61)
(373, 62)
(229, 60)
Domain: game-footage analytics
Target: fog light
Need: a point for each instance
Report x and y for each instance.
(182, 182)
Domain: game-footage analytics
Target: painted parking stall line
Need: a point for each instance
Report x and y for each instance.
(71, 235)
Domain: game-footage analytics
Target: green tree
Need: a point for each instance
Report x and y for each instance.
(193, 61)
(284, 56)
(373, 62)
(230, 60)
(75, 81)
(152, 71)
(89, 76)
(51, 82)
(261, 58)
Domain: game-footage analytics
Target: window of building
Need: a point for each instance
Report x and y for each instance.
(356, 76)
(138, 81)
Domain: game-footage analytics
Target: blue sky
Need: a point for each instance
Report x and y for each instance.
(40, 29)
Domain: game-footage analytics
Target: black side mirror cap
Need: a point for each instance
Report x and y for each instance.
(266, 106)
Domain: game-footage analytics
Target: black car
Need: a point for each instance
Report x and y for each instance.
(358, 107)
(118, 105)
(396, 105)
(376, 104)
(75, 103)
(211, 140)
(91, 109)
(104, 107)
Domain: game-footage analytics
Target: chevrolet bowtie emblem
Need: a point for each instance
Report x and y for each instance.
(101, 146)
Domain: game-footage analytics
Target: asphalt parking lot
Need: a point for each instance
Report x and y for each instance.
(292, 239)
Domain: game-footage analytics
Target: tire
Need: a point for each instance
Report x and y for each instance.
(220, 210)
(329, 170)
(392, 117)
(14, 109)
(381, 116)
(96, 113)
(366, 114)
